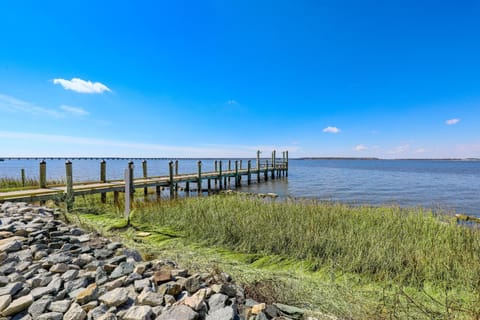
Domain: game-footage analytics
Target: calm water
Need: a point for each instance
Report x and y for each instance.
(450, 185)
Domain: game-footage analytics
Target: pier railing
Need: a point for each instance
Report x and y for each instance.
(225, 174)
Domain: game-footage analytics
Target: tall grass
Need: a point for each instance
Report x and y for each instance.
(15, 184)
(410, 246)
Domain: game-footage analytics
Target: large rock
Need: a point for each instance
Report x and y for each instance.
(217, 301)
(5, 301)
(124, 268)
(115, 297)
(150, 298)
(290, 311)
(51, 316)
(11, 288)
(75, 313)
(139, 313)
(179, 312)
(39, 306)
(18, 305)
(226, 313)
(59, 306)
(88, 294)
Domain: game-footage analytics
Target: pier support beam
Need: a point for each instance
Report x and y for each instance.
(258, 165)
(132, 185)
(265, 173)
(70, 198)
(176, 174)
(199, 182)
(229, 169)
(249, 173)
(286, 163)
(43, 174)
(145, 176)
(215, 165)
(237, 180)
(103, 179)
(172, 186)
(220, 175)
(273, 164)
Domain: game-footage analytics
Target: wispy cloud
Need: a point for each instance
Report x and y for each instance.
(63, 145)
(232, 102)
(76, 111)
(420, 150)
(82, 86)
(361, 147)
(452, 121)
(11, 104)
(331, 130)
(400, 149)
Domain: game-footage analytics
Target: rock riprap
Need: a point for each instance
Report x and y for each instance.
(52, 270)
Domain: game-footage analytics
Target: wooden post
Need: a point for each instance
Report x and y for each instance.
(145, 176)
(237, 181)
(229, 169)
(22, 173)
(286, 163)
(249, 174)
(128, 183)
(187, 188)
(69, 177)
(131, 188)
(170, 171)
(199, 182)
(176, 174)
(115, 197)
(220, 174)
(215, 165)
(103, 179)
(209, 185)
(43, 174)
(258, 165)
(273, 164)
(241, 162)
(158, 191)
(265, 173)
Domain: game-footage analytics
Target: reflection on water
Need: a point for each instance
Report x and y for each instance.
(450, 185)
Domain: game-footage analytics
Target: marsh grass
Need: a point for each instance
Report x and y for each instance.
(354, 262)
(11, 184)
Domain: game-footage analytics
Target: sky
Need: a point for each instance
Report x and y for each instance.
(340, 78)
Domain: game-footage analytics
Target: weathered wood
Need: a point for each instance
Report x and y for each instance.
(131, 188)
(229, 169)
(199, 182)
(176, 174)
(158, 191)
(220, 175)
(215, 165)
(115, 198)
(241, 162)
(69, 179)
(170, 171)
(43, 174)
(237, 180)
(128, 183)
(22, 173)
(209, 185)
(286, 163)
(145, 176)
(265, 172)
(103, 178)
(249, 173)
(187, 188)
(273, 164)
(258, 165)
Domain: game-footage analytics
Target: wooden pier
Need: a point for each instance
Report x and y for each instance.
(226, 174)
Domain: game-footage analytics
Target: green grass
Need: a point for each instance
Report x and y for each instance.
(11, 184)
(353, 262)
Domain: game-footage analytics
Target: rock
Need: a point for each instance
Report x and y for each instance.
(179, 312)
(290, 311)
(169, 299)
(102, 253)
(226, 313)
(75, 312)
(41, 291)
(139, 313)
(39, 306)
(51, 316)
(171, 288)
(225, 288)
(108, 316)
(150, 298)
(69, 275)
(124, 268)
(115, 298)
(11, 288)
(10, 246)
(141, 284)
(59, 268)
(162, 276)
(101, 276)
(18, 305)
(59, 306)
(258, 308)
(115, 283)
(139, 268)
(5, 301)
(88, 294)
(217, 301)
(192, 284)
(196, 301)
(97, 312)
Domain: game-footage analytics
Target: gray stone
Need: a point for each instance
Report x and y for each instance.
(18, 305)
(4, 281)
(192, 284)
(59, 268)
(150, 298)
(51, 316)
(108, 316)
(41, 291)
(11, 288)
(101, 276)
(114, 246)
(5, 301)
(102, 253)
(75, 313)
(60, 306)
(179, 312)
(124, 268)
(226, 313)
(97, 312)
(39, 306)
(140, 284)
(11, 246)
(217, 301)
(171, 288)
(139, 313)
(115, 297)
(70, 275)
(290, 311)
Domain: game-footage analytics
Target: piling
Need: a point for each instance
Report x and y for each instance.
(22, 173)
(265, 173)
(176, 174)
(273, 164)
(131, 188)
(258, 165)
(220, 174)
(249, 174)
(215, 165)
(229, 169)
(170, 171)
(286, 163)
(237, 181)
(43, 174)
(145, 176)
(69, 177)
(199, 182)
(103, 179)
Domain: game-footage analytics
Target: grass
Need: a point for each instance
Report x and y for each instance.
(11, 184)
(353, 262)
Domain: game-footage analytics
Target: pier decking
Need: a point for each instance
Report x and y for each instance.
(221, 179)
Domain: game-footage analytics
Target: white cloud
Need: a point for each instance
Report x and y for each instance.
(331, 130)
(76, 111)
(232, 102)
(11, 104)
(420, 150)
(360, 147)
(452, 121)
(82, 86)
(400, 149)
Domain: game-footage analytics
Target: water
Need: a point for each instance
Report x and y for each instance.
(449, 185)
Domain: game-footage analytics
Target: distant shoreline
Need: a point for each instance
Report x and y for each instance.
(367, 158)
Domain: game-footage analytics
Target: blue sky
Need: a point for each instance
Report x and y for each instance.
(388, 79)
